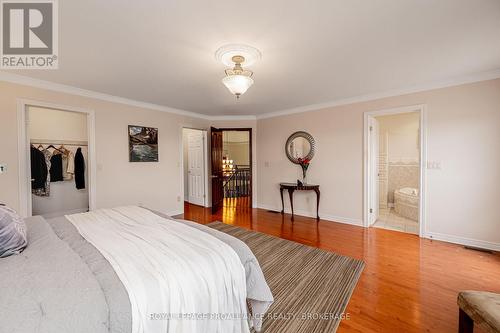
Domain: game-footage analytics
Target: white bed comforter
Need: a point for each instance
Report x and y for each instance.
(179, 279)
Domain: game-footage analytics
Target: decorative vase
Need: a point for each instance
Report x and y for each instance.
(304, 175)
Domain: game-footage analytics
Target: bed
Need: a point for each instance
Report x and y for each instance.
(65, 282)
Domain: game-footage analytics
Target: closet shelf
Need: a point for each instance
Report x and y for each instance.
(58, 142)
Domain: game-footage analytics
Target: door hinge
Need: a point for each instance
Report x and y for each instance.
(371, 210)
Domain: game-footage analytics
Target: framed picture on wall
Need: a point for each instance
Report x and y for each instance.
(142, 144)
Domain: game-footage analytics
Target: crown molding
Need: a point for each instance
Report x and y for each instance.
(485, 76)
(230, 117)
(47, 85)
(42, 84)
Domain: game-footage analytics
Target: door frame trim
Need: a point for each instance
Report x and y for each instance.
(23, 140)
(372, 163)
(422, 109)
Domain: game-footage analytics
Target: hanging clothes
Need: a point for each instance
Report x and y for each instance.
(79, 169)
(56, 167)
(69, 167)
(38, 169)
(45, 190)
(68, 163)
(65, 174)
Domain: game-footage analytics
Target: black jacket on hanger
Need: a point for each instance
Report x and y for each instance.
(79, 169)
(56, 171)
(38, 169)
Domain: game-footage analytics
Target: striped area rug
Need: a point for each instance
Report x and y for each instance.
(311, 287)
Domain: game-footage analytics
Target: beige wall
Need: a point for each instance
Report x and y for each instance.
(51, 124)
(156, 185)
(463, 126)
(463, 135)
(236, 146)
(239, 152)
(402, 133)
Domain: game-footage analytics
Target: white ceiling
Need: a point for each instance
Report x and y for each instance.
(162, 51)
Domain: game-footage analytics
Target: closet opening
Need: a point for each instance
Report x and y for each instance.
(57, 170)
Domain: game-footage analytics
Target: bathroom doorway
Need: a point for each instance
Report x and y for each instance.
(394, 169)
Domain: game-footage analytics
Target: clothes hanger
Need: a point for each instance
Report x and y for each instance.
(63, 149)
(52, 146)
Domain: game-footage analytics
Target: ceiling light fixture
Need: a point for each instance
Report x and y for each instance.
(237, 79)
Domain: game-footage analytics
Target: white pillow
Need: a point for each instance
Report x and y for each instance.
(13, 238)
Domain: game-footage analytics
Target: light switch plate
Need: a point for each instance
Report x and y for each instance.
(434, 165)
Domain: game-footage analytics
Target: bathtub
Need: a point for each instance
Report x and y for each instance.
(406, 203)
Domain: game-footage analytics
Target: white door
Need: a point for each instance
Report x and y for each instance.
(196, 183)
(383, 171)
(374, 170)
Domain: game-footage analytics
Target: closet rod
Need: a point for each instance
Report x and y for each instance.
(58, 142)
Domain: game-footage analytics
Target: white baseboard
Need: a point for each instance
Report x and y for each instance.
(175, 212)
(463, 241)
(326, 217)
(358, 222)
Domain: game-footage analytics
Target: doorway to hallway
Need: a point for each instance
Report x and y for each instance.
(231, 166)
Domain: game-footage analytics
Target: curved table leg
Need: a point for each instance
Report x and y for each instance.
(318, 195)
(282, 202)
(290, 193)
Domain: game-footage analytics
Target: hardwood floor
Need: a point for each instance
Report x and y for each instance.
(409, 284)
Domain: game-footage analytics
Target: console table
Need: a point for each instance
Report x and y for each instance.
(291, 187)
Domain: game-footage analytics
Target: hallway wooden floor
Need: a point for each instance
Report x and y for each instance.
(408, 285)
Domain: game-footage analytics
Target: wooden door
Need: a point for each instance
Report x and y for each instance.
(217, 177)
